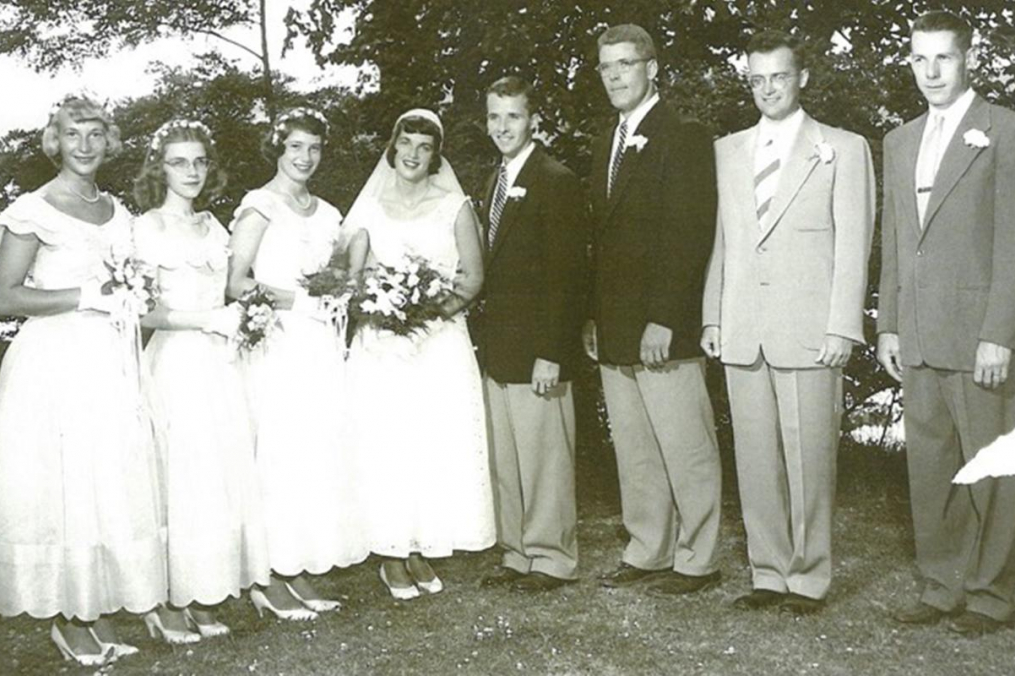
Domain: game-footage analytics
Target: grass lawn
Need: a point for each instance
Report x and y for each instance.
(584, 629)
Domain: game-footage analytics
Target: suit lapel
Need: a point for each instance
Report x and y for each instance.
(957, 158)
(803, 157)
(910, 152)
(741, 165)
(633, 156)
(512, 207)
(491, 184)
(598, 178)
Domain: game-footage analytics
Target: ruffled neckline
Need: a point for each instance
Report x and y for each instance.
(211, 250)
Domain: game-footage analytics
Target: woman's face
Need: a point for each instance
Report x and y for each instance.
(186, 166)
(413, 154)
(300, 156)
(82, 144)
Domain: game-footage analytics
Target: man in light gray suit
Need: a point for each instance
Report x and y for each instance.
(946, 325)
(783, 307)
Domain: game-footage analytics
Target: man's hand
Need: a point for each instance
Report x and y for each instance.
(655, 345)
(835, 351)
(545, 376)
(890, 355)
(710, 337)
(589, 340)
(991, 370)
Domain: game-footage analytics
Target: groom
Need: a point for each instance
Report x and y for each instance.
(528, 335)
(654, 200)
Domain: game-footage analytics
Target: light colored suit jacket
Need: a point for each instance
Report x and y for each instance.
(783, 289)
(950, 284)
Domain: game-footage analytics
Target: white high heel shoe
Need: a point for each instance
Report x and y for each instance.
(119, 649)
(316, 605)
(103, 658)
(171, 636)
(431, 586)
(261, 603)
(400, 593)
(213, 630)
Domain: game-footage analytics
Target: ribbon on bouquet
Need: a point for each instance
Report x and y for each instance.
(336, 308)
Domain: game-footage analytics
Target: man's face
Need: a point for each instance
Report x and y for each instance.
(776, 82)
(509, 123)
(626, 76)
(940, 66)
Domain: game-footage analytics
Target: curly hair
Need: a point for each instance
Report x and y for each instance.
(79, 108)
(416, 125)
(629, 32)
(150, 184)
(768, 41)
(304, 119)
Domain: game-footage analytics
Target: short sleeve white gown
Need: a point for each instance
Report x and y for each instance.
(297, 387)
(213, 506)
(421, 447)
(82, 531)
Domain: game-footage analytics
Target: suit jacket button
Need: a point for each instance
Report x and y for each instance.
(919, 252)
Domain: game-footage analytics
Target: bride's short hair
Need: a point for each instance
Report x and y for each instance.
(416, 125)
(79, 108)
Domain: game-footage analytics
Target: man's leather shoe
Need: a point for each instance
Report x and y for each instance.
(625, 575)
(918, 613)
(539, 582)
(676, 583)
(758, 599)
(801, 605)
(501, 577)
(973, 624)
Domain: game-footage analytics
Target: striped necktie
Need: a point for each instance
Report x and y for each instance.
(618, 157)
(766, 181)
(497, 208)
(927, 163)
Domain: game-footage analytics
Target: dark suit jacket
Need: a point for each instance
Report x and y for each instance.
(950, 284)
(533, 289)
(653, 236)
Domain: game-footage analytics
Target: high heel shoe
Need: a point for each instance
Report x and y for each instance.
(171, 636)
(261, 603)
(97, 660)
(213, 630)
(431, 586)
(316, 605)
(400, 593)
(119, 649)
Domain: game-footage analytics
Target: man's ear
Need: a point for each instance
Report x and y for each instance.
(972, 59)
(805, 76)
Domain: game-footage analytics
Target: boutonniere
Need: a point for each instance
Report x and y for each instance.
(637, 142)
(516, 192)
(975, 138)
(824, 152)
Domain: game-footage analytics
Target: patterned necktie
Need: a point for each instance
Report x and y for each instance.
(618, 157)
(927, 163)
(766, 181)
(497, 208)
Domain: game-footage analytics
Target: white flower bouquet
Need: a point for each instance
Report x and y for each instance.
(404, 298)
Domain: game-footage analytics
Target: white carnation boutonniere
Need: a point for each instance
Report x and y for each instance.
(974, 138)
(516, 192)
(637, 142)
(824, 152)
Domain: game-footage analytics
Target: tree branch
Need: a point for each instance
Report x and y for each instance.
(242, 46)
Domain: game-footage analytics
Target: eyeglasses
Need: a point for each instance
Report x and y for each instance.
(182, 164)
(621, 66)
(778, 80)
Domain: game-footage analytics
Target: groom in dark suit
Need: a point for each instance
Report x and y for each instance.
(528, 335)
(946, 326)
(654, 203)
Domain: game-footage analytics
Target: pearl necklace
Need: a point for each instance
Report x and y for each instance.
(304, 207)
(72, 190)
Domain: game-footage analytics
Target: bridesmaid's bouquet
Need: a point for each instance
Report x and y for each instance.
(334, 287)
(403, 298)
(133, 283)
(257, 318)
(9, 327)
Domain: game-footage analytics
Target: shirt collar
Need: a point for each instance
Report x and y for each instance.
(635, 117)
(782, 132)
(513, 167)
(954, 113)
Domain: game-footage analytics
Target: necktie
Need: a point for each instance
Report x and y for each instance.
(927, 163)
(765, 180)
(618, 157)
(497, 208)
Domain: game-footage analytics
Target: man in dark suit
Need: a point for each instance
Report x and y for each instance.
(528, 335)
(654, 205)
(946, 326)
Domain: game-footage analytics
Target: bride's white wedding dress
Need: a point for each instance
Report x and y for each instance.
(420, 427)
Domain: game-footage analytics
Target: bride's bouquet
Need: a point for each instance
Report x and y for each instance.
(257, 318)
(403, 298)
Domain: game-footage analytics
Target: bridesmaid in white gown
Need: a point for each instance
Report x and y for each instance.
(81, 529)
(282, 232)
(422, 458)
(216, 533)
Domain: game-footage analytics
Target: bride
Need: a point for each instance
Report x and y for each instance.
(421, 434)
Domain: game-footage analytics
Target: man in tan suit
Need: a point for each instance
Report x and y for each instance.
(783, 307)
(946, 325)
